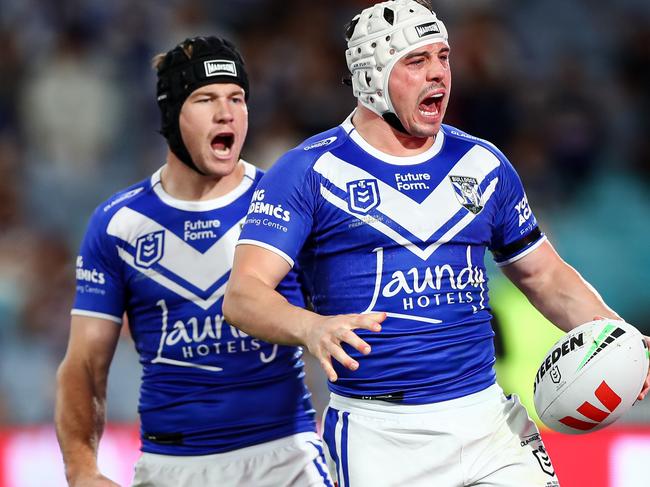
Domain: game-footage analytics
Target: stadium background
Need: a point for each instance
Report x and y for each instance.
(562, 87)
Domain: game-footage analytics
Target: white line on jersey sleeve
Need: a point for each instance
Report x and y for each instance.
(266, 246)
(523, 254)
(94, 314)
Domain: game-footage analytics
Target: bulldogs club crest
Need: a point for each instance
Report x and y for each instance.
(149, 248)
(363, 195)
(468, 192)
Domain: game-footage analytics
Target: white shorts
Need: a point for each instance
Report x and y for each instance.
(294, 461)
(483, 439)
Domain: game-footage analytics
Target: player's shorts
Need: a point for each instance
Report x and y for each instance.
(294, 461)
(484, 439)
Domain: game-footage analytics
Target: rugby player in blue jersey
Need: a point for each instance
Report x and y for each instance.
(217, 407)
(390, 215)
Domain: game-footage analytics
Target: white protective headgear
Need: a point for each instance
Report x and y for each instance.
(378, 37)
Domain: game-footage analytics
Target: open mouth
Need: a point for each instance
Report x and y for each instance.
(222, 143)
(430, 105)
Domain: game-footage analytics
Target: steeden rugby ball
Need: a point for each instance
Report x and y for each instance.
(591, 376)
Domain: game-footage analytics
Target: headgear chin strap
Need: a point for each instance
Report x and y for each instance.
(213, 60)
(377, 38)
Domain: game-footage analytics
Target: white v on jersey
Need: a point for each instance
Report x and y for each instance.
(404, 235)
(165, 263)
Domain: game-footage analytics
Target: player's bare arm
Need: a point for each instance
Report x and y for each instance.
(252, 304)
(559, 292)
(556, 289)
(81, 398)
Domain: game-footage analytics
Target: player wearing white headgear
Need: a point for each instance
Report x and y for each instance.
(377, 38)
(390, 215)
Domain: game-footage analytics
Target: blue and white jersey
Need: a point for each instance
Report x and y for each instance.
(403, 235)
(206, 386)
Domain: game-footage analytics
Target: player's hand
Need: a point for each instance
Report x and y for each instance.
(646, 384)
(325, 337)
(96, 480)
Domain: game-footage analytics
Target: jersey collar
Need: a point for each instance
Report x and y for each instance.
(390, 159)
(207, 205)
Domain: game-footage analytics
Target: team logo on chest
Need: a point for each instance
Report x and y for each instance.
(149, 248)
(363, 195)
(468, 192)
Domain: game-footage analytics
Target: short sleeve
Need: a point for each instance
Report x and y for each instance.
(516, 232)
(100, 286)
(281, 212)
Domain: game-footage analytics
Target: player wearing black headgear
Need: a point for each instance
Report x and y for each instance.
(194, 63)
(161, 253)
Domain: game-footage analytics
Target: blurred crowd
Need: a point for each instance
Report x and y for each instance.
(561, 87)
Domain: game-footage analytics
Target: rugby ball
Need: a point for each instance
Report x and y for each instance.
(591, 376)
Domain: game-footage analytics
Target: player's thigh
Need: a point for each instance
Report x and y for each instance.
(513, 455)
(384, 451)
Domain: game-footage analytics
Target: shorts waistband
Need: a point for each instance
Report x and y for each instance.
(491, 393)
(238, 454)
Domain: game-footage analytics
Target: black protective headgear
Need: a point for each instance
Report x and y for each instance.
(213, 60)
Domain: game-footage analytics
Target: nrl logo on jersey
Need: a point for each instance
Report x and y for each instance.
(468, 192)
(149, 248)
(363, 195)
